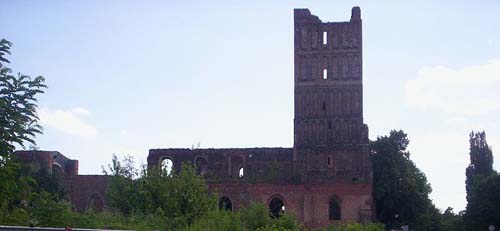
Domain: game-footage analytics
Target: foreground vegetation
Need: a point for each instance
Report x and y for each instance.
(163, 200)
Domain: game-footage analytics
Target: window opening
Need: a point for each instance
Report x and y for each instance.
(242, 172)
(334, 210)
(226, 204)
(276, 207)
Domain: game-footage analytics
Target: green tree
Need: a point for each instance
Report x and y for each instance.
(483, 207)
(18, 126)
(481, 160)
(400, 189)
(182, 197)
(18, 118)
(451, 221)
(255, 216)
(482, 185)
(122, 189)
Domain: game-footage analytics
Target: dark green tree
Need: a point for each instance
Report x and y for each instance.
(18, 118)
(451, 221)
(481, 160)
(483, 207)
(400, 189)
(482, 185)
(18, 126)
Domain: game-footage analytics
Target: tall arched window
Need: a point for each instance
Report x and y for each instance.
(167, 165)
(57, 170)
(201, 166)
(334, 210)
(236, 164)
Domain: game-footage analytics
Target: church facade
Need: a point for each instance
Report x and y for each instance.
(325, 178)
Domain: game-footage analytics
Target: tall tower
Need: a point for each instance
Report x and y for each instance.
(330, 138)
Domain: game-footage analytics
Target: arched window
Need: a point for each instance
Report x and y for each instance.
(96, 203)
(226, 204)
(57, 170)
(334, 210)
(167, 165)
(201, 166)
(276, 207)
(236, 165)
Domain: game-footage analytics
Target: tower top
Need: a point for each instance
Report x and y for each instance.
(355, 13)
(303, 15)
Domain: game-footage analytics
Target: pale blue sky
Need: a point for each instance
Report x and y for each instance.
(127, 76)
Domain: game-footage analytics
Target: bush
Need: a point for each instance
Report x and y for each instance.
(356, 227)
(255, 216)
(217, 220)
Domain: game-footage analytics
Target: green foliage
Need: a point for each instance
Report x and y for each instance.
(46, 210)
(122, 191)
(18, 124)
(400, 189)
(182, 197)
(481, 160)
(18, 118)
(451, 221)
(356, 227)
(217, 220)
(255, 216)
(482, 185)
(483, 207)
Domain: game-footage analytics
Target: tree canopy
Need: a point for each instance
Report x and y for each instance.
(482, 185)
(18, 125)
(400, 189)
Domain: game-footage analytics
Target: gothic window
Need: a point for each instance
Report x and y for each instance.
(314, 39)
(237, 164)
(334, 210)
(325, 74)
(276, 207)
(201, 165)
(304, 37)
(57, 170)
(167, 165)
(325, 37)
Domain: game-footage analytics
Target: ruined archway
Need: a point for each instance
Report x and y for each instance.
(166, 165)
(57, 170)
(225, 203)
(276, 207)
(334, 209)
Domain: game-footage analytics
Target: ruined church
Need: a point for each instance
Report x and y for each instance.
(326, 177)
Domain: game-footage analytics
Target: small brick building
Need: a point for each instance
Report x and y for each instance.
(83, 191)
(325, 178)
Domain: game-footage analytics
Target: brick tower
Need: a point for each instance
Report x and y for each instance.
(330, 138)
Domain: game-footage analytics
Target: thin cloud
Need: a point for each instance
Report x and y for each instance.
(468, 91)
(67, 121)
